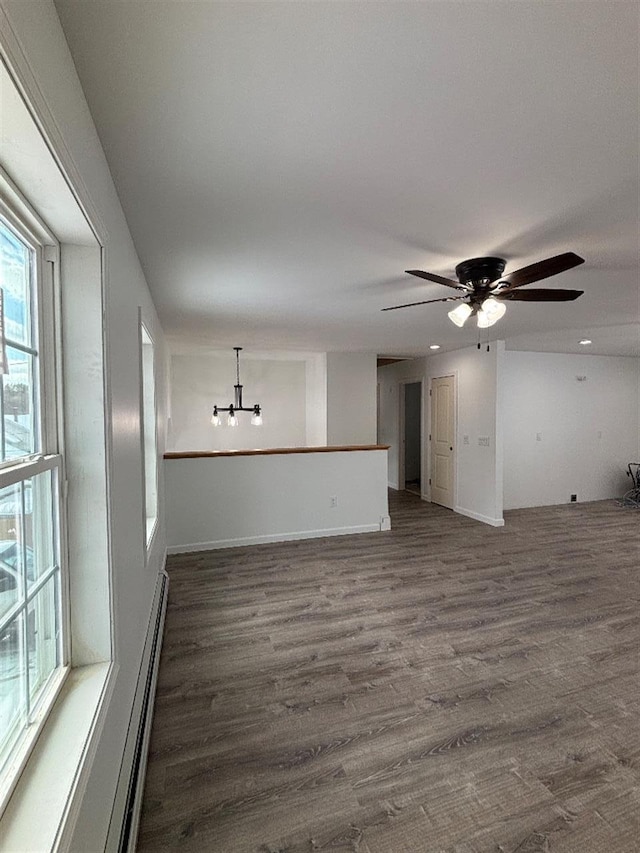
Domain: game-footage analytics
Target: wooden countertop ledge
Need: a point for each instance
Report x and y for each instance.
(272, 451)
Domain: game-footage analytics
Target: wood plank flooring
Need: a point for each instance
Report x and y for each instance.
(445, 686)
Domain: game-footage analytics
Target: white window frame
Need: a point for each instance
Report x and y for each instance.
(150, 520)
(30, 229)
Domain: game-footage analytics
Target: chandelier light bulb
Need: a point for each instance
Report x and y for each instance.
(256, 417)
(461, 314)
(215, 417)
(232, 420)
(490, 312)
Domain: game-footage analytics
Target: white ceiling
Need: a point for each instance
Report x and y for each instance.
(281, 164)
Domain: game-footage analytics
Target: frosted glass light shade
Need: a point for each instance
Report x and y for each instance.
(461, 314)
(256, 420)
(232, 420)
(490, 313)
(215, 419)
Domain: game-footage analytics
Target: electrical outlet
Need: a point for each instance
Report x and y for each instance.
(465, 439)
(574, 499)
(538, 436)
(483, 441)
(333, 500)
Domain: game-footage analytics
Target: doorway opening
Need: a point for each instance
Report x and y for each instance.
(413, 437)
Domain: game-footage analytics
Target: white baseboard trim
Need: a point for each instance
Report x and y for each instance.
(272, 537)
(485, 519)
(394, 486)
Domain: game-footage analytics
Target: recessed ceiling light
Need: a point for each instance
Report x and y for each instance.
(584, 342)
(434, 346)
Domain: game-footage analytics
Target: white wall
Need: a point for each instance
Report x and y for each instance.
(218, 502)
(45, 69)
(478, 490)
(316, 400)
(588, 430)
(199, 380)
(351, 398)
(478, 467)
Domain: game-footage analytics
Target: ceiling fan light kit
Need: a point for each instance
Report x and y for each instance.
(490, 312)
(483, 287)
(461, 314)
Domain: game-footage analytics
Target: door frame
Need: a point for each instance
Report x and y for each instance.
(423, 432)
(453, 374)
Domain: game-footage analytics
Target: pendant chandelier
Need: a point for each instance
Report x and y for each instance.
(236, 406)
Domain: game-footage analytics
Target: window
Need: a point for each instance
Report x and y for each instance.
(33, 656)
(148, 420)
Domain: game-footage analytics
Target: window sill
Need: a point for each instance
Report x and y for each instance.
(151, 527)
(42, 803)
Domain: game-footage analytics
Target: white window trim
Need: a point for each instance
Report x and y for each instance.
(149, 531)
(21, 217)
(47, 800)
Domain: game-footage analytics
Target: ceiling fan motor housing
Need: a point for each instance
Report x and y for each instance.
(481, 272)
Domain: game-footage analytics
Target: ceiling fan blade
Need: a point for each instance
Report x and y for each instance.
(437, 278)
(538, 294)
(542, 269)
(425, 302)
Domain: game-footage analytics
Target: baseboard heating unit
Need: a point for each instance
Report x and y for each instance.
(125, 816)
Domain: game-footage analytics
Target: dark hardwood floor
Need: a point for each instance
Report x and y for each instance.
(445, 686)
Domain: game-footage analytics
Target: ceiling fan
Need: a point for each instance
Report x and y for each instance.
(485, 289)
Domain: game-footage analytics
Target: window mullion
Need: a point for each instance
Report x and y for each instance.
(38, 425)
(11, 615)
(29, 468)
(24, 677)
(23, 539)
(46, 341)
(25, 610)
(42, 581)
(3, 448)
(21, 347)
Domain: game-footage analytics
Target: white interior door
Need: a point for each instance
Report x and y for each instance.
(442, 440)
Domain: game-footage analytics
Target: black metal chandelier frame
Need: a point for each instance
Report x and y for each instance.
(237, 406)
